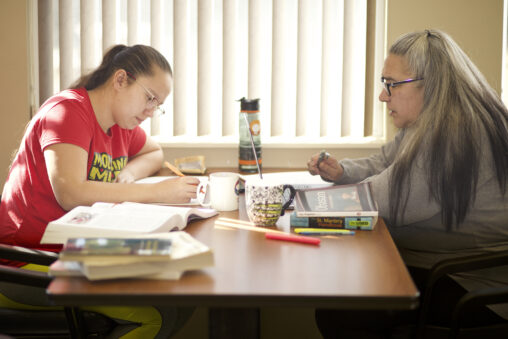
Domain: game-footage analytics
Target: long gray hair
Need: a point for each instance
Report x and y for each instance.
(458, 103)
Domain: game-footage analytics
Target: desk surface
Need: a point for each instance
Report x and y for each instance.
(363, 271)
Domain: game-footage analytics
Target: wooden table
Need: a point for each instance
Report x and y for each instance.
(363, 271)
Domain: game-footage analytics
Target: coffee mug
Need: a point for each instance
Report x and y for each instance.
(219, 192)
(266, 200)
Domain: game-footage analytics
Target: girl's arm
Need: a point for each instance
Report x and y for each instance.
(67, 171)
(145, 163)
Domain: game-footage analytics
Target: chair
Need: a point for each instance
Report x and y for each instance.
(71, 322)
(470, 301)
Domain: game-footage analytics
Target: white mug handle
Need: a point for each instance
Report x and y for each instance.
(203, 194)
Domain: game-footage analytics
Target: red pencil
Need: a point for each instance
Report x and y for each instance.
(295, 238)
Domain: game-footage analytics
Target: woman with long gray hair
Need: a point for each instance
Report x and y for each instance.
(441, 183)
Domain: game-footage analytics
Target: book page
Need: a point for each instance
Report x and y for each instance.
(118, 219)
(156, 179)
(187, 214)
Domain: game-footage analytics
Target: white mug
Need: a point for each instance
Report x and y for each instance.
(220, 192)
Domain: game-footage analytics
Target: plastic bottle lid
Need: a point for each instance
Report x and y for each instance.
(249, 104)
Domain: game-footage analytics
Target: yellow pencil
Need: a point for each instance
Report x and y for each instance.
(174, 169)
(322, 231)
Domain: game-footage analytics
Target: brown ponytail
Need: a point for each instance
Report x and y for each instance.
(137, 59)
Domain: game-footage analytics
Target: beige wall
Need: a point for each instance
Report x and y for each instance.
(14, 97)
(476, 25)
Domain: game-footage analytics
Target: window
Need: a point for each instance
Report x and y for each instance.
(313, 64)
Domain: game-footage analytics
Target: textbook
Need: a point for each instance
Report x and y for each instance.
(353, 200)
(156, 179)
(116, 250)
(352, 223)
(187, 253)
(120, 220)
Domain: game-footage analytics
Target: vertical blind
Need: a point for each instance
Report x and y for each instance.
(305, 59)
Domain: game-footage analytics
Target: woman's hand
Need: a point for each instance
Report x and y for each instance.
(178, 190)
(328, 167)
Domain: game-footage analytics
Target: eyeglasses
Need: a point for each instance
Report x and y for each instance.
(153, 102)
(387, 85)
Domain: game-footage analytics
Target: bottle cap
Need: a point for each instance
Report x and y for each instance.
(249, 104)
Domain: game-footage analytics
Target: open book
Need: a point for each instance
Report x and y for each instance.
(125, 219)
(187, 253)
(353, 200)
(156, 179)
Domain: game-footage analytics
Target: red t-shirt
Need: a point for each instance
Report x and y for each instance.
(28, 201)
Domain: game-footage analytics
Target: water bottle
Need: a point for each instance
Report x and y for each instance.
(249, 120)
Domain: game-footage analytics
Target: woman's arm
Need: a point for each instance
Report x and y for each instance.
(145, 163)
(420, 205)
(67, 171)
(349, 171)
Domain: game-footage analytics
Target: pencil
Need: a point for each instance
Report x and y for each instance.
(174, 169)
(323, 231)
(322, 156)
(294, 238)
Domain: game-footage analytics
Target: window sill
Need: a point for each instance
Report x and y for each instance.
(277, 152)
(273, 142)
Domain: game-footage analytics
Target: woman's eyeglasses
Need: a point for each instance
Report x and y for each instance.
(153, 102)
(387, 85)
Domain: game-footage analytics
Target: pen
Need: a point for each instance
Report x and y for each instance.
(322, 231)
(174, 169)
(322, 156)
(294, 238)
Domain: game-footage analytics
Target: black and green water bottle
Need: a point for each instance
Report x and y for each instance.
(250, 136)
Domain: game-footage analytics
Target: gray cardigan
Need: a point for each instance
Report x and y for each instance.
(421, 237)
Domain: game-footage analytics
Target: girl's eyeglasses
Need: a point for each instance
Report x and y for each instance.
(153, 102)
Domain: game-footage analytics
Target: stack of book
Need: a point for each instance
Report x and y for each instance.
(151, 256)
(336, 207)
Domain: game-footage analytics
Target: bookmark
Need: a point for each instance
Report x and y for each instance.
(294, 238)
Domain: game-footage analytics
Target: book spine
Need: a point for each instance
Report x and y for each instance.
(353, 223)
(355, 214)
